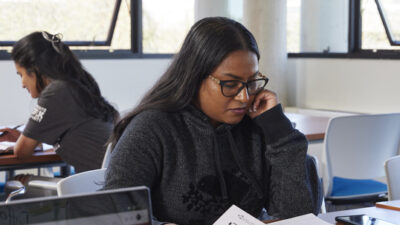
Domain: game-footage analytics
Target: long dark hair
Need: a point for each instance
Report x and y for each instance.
(207, 44)
(47, 56)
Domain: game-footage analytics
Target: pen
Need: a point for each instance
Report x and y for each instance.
(17, 126)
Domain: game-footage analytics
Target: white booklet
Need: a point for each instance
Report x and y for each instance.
(7, 146)
(4, 145)
(236, 216)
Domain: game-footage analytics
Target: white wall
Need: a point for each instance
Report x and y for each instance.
(354, 85)
(122, 82)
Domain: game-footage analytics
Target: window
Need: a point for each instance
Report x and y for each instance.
(166, 22)
(85, 25)
(317, 26)
(380, 24)
(105, 28)
(165, 25)
(343, 28)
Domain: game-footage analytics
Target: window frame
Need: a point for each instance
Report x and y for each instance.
(136, 50)
(354, 41)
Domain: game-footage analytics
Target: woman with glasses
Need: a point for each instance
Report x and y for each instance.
(209, 135)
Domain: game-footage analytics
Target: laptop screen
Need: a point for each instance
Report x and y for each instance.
(127, 206)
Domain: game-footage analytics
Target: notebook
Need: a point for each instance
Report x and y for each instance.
(127, 206)
(6, 147)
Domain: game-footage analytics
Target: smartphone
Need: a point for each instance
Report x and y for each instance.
(361, 220)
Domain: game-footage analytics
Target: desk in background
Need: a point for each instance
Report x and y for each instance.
(313, 127)
(49, 158)
(388, 215)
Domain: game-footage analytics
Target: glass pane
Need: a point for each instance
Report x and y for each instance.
(373, 31)
(317, 26)
(293, 26)
(165, 24)
(235, 10)
(392, 9)
(122, 34)
(77, 20)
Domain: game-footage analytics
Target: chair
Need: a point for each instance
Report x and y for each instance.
(53, 184)
(313, 164)
(88, 181)
(356, 148)
(19, 189)
(392, 169)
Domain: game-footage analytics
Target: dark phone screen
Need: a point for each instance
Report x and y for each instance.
(361, 220)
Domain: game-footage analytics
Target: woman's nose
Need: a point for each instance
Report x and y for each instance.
(243, 95)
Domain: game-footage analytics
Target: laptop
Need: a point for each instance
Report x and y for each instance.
(125, 206)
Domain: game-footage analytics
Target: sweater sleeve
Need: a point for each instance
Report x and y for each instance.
(290, 188)
(136, 160)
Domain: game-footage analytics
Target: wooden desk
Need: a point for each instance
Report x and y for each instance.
(49, 158)
(388, 215)
(313, 127)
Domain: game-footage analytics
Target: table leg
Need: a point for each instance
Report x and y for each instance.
(65, 171)
(9, 174)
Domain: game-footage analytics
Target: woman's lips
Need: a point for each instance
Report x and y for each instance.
(240, 111)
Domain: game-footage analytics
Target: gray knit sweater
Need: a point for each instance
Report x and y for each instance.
(196, 172)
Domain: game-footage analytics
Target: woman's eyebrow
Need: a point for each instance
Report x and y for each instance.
(238, 77)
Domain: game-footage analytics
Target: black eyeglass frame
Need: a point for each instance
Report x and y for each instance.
(244, 84)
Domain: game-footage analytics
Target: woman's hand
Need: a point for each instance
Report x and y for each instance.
(9, 134)
(263, 101)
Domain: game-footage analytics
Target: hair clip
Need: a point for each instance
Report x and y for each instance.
(54, 39)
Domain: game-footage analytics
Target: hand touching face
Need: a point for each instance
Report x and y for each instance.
(263, 101)
(224, 96)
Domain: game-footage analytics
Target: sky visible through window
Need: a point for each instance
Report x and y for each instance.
(76, 20)
(165, 22)
(373, 32)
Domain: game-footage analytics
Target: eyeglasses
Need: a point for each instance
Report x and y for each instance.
(230, 88)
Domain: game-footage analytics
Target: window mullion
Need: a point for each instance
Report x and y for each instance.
(355, 26)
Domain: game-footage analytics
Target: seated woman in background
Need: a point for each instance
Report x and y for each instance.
(70, 113)
(208, 135)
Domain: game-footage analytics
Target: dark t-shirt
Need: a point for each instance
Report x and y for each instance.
(59, 119)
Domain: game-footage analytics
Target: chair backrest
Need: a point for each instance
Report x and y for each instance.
(85, 182)
(313, 160)
(357, 146)
(392, 169)
(107, 156)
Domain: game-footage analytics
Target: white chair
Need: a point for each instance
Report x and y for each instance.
(356, 148)
(107, 157)
(53, 184)
(392, 169)
(85, 182)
